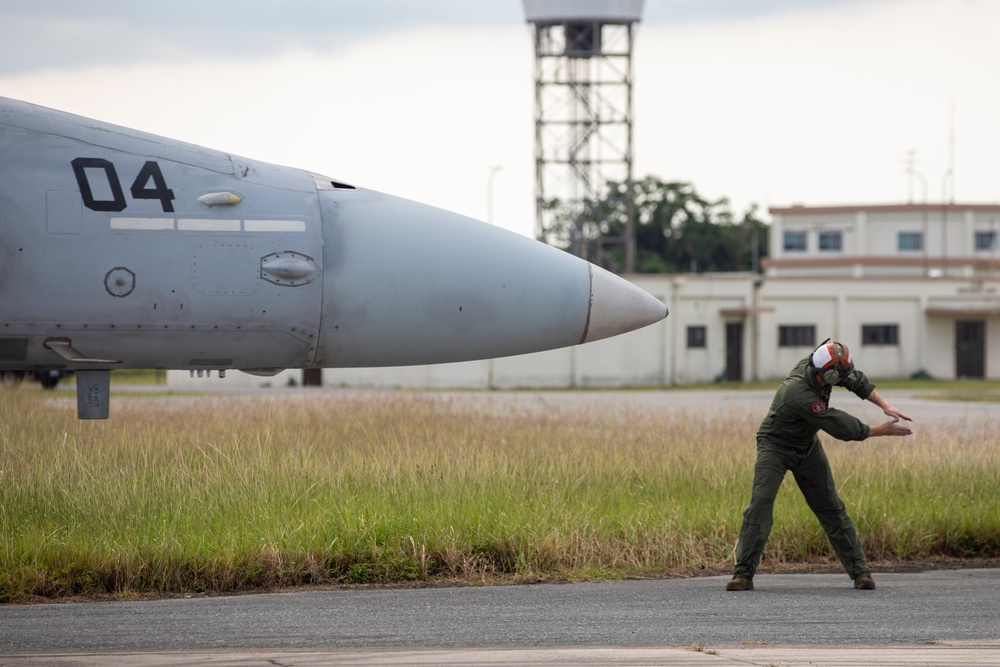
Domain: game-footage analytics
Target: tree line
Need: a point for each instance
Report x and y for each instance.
(677, 230)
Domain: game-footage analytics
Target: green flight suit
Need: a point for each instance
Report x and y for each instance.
(787, 440)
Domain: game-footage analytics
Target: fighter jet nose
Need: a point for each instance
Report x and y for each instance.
(617, 306)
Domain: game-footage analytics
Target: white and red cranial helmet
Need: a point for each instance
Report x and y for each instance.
(832, 361)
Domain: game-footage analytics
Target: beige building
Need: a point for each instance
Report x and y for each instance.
(911, 289)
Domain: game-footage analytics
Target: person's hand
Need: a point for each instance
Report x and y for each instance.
(891, 427)
(893, 412)
(887, 407)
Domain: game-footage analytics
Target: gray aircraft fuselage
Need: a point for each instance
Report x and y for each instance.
(121, 249)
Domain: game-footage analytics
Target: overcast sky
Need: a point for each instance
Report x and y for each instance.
(770, 102)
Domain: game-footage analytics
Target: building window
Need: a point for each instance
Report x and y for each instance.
(696, 336)
(831, 241)
(986, 241)
(909, 241)
(795, 241)
(880, 334)
(797, 335)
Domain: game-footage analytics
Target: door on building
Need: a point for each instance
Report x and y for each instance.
(970, 349)
(734, 351)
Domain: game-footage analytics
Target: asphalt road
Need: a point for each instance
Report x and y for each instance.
(799, 609)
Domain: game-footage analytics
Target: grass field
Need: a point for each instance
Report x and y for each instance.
(190, 494)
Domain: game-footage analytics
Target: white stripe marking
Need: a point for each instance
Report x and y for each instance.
(274, 225)
(145, 224)
(194, 225)
(207, 225)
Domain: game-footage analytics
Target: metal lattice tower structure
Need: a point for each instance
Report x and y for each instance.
(583, 125)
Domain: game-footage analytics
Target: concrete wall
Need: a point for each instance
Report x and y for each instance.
(870, 237)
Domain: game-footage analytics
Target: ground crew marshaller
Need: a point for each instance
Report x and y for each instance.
(788, 440)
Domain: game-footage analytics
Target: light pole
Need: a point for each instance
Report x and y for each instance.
(923, 184)
(944, 220)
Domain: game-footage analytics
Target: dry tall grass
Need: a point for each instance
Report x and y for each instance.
(225, 493)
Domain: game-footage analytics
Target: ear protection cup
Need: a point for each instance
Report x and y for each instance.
(831, 376)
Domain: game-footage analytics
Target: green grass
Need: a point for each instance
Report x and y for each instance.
(186, 494)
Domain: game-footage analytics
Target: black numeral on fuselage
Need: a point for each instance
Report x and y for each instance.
(140, 187)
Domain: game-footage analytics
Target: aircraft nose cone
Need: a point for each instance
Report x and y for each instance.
(617, 306)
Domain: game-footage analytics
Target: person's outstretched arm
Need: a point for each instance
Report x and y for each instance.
(877, 399)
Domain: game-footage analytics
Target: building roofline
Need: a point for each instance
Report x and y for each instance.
(983, 311)
(882, 208)
(815, 261)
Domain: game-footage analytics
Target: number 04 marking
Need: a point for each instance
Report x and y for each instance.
(140, 187)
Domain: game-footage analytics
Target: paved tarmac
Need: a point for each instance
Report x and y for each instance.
(944, 617)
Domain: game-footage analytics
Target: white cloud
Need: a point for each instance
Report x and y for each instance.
(823, 108)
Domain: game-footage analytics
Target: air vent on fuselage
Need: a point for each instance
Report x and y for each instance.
(327, 183)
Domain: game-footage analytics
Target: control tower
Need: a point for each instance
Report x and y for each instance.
(583, 126)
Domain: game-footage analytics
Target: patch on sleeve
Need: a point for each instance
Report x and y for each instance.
(818, 408)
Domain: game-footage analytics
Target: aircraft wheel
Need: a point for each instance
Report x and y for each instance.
(49, 381)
